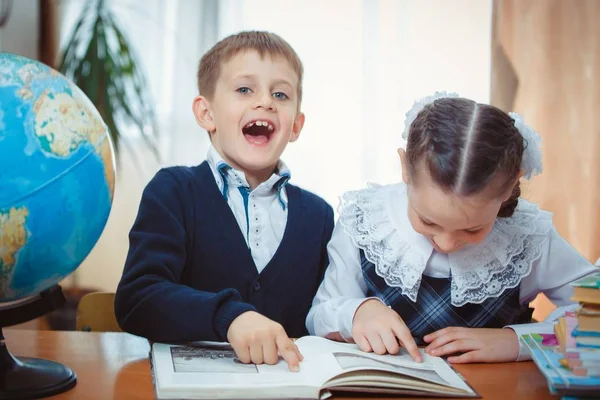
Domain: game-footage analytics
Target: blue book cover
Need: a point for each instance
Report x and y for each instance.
(590, 281)
(546, 355)
(576, 332)
(586, 339)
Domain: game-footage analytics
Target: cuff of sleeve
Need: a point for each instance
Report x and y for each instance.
(522, 329)
(226, 314)
(346, 316)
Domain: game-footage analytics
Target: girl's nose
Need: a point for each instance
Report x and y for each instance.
(446, 243)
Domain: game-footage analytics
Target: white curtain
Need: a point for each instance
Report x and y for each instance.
(365, 62)
(168, 37)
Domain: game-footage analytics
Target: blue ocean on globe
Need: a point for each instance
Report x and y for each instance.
(57, 176)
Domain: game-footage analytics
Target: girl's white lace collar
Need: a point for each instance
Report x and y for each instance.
(376, 218)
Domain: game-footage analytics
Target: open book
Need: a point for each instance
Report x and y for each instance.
(211, 371)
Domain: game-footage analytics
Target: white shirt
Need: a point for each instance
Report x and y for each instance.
(263, 218)
(344, 289)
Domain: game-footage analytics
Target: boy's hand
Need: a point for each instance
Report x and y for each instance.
(257, 339)
(475, 344)
(378, 328)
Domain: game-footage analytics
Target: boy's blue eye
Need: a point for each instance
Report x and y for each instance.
(280, 96)
(243, 90)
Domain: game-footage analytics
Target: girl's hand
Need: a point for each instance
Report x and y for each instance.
(475, 344)
(378, 328)
(257, 339)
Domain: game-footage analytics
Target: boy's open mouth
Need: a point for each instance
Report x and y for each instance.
(258, 132)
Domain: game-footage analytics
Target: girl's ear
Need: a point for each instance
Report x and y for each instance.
(404, 163)
(203, 113)
(517, 179)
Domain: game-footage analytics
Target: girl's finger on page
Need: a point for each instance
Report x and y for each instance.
(256, 353)
(363, 343)
(403, 334)
(376, 343)
(390, 342)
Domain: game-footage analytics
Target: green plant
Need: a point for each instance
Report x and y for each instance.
(100, 61)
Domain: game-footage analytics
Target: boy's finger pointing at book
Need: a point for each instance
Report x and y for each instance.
(289, 352)
(256, 353)
(270, 354)
(242, 352)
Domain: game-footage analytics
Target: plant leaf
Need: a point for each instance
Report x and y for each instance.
(100, 61)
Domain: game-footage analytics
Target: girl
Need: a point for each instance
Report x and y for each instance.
(452, 255)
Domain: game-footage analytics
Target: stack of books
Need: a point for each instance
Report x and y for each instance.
(586, 333)
(570, 358)
(581, 354)
(579, 332)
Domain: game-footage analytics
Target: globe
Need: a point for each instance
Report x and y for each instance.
(57, 177)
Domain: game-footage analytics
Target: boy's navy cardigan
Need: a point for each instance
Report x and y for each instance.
(189, 272)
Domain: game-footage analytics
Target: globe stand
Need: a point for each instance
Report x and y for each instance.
(25, 377)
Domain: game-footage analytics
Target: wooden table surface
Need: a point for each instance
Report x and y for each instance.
(116, 366)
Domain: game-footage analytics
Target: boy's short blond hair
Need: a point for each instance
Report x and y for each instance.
(265, 43)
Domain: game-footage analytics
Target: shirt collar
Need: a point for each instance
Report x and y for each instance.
(377, 220)
(226, 176)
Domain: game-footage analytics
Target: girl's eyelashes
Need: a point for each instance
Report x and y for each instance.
(426, 223)
(468, 232)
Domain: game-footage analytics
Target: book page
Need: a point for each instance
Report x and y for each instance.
(334, 358)
(212, 370)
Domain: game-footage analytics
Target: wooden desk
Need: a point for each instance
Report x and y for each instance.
(115, 366)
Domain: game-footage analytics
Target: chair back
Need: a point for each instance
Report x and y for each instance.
(96, 313)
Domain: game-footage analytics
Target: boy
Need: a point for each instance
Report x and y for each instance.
(229, 250)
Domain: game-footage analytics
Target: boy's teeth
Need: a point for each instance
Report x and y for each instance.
(260, 123)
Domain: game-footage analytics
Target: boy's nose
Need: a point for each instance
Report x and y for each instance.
(265, 102)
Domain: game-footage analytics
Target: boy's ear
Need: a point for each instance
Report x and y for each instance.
(297, 127)
(203, 113)
(404, 163)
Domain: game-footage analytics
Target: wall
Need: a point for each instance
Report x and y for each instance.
(169, 38)
(20, 34)
(546, 67)
(362, 72)
(364, 67)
